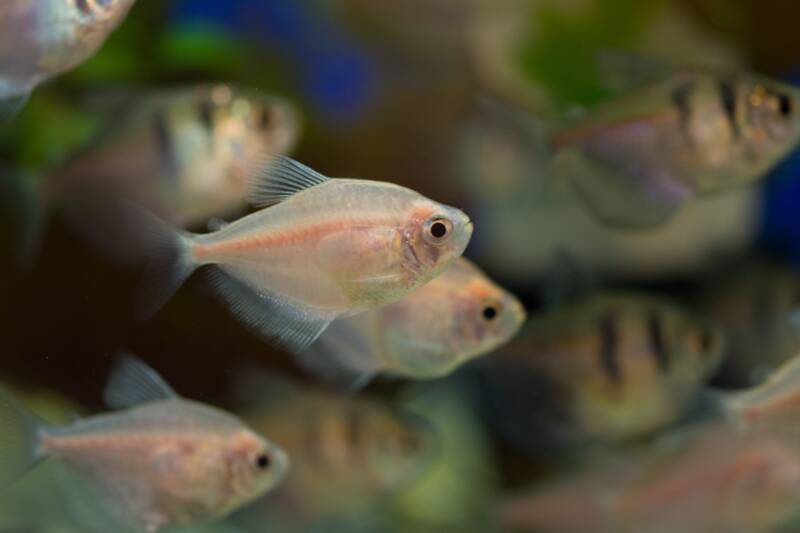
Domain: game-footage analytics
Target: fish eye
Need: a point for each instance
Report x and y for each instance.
(263, 461)
(785, 105)
(490, 312)
(437, 230)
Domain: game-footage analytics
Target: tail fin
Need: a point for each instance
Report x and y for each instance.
(169, 261)
(779, 394)
(19, 439)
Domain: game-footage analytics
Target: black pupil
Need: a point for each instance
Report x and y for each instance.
(262, 461)
(489, 312)
(785, 105)
(438, 230)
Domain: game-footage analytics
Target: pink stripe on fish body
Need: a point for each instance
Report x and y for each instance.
(338, 245)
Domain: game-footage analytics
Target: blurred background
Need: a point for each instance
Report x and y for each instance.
(424, 93)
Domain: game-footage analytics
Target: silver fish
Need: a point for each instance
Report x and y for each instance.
(185, 154)
(456, 317)
(159, 461)
(42, 39)
(324, 248)
(635, 160)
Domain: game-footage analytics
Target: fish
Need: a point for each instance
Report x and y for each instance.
(40, 40)
(450, 320)
(322, 248)
(736, 473)
(636, 159)
(757, 305)
(184, 153)
(610, 367)
(158, 460)
(350, 454)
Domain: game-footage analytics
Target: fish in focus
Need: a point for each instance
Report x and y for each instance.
(757, 305)
(42, 39)
(350, 454)
(185, 154)
(739, 474)
(322, 249)
(159, 461)
(455, 317)
(638, 158)
(609, 367)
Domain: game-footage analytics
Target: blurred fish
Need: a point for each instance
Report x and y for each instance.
(635, 160)
(757, 306)
(455, 317)
(40, 40)
(611, 367)
(714, 477)
(721, 481)
(185, 154)
(324, 248)
(160, 461)
(503, 168)
(349, 453)
(459, 490)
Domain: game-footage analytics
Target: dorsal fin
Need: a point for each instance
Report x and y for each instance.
(277, 178)
(133, 383)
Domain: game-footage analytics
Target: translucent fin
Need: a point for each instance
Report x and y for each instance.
(11, 103)
(286, 323)
(19, 438)
(277, 178)
(216, 224)
(133, 383)
(781, 392)
(341, 355)
(614, 200)
(169, 261)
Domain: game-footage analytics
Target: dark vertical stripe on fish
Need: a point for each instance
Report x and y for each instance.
(352, 432)
(658, 346)
(727, 94)
(609, 345)
(680, 99)
(166, 148)
(83, 6)
(205, 110)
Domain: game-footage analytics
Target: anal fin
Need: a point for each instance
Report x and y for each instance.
(275, 318)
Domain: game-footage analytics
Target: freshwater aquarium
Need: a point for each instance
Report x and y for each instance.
(399, 266)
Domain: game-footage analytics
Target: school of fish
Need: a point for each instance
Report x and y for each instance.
(401, 387)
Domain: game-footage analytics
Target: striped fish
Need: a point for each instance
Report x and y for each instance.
(348, 452)
(183, 153)
(623, 364)
(634, 160)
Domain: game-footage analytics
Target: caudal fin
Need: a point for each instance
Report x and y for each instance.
(169, 261)
(19, 439)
